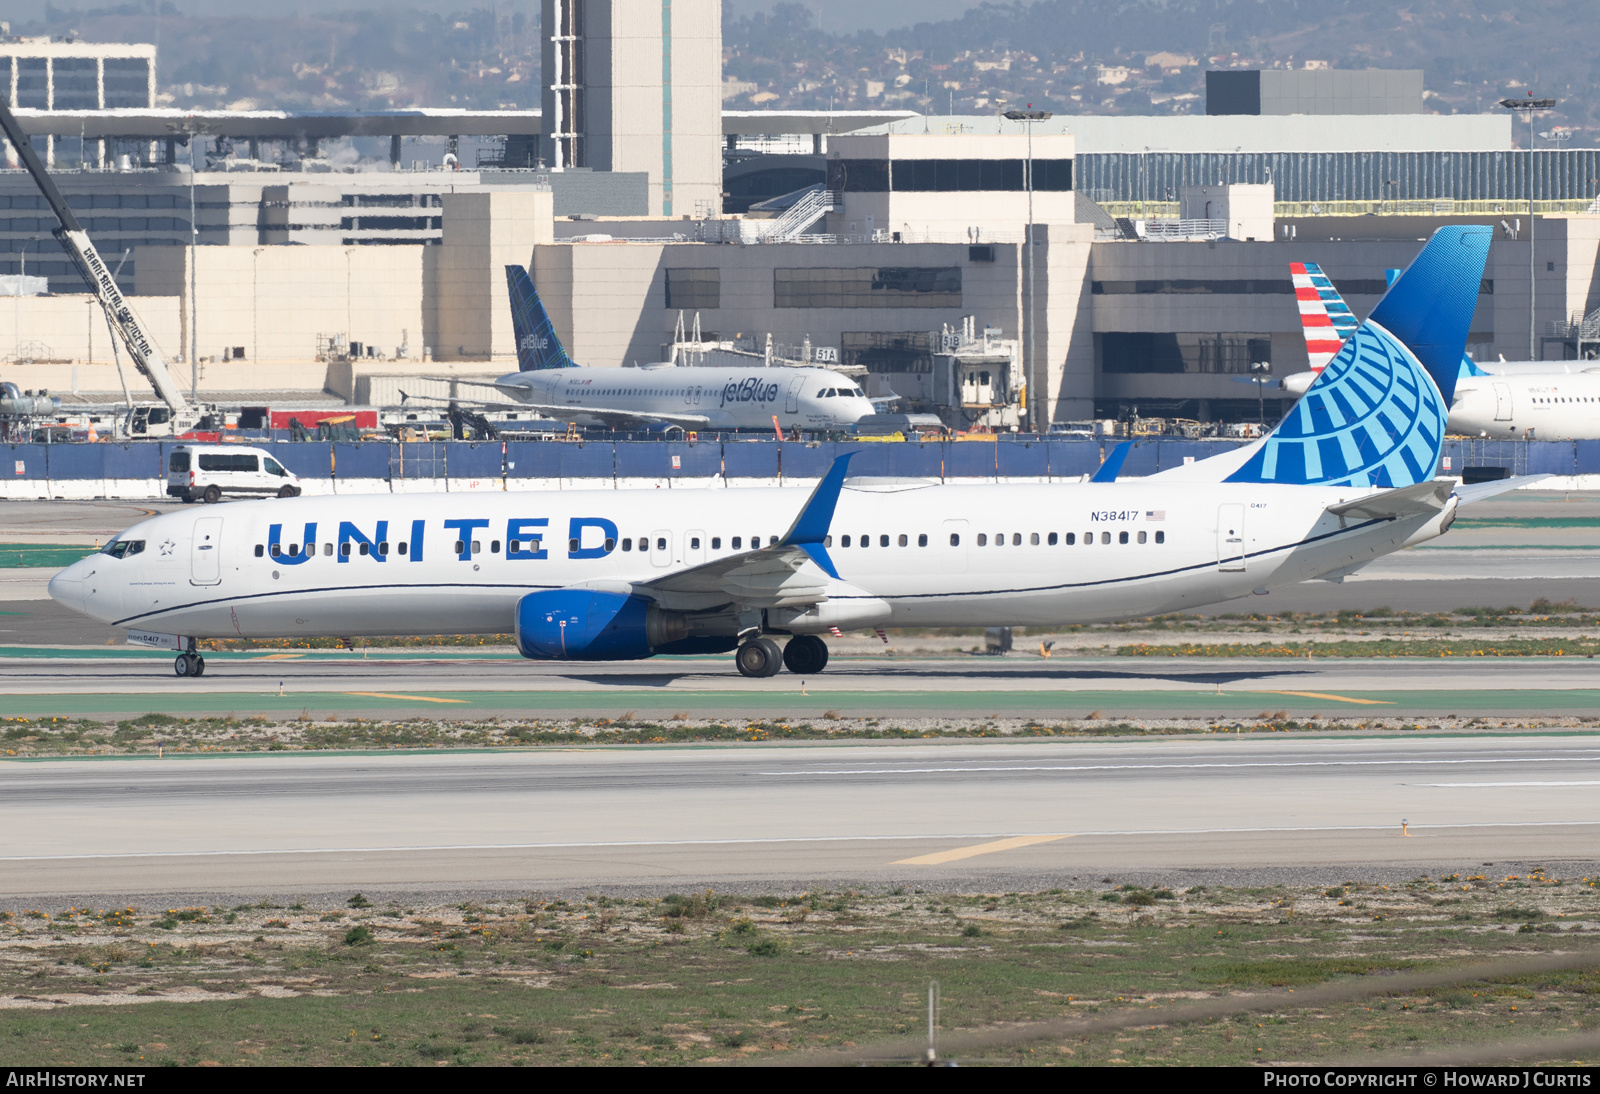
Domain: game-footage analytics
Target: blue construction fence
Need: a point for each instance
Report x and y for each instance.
(1023, 457)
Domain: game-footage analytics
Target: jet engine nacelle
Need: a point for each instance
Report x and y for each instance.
(593, 625)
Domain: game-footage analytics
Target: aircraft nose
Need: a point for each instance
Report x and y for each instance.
(67, 586)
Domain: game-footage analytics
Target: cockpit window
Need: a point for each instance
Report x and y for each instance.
(122, 548)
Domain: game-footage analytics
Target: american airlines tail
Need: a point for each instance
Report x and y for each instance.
(1324, 316)
(1375, 415)
(537, 345)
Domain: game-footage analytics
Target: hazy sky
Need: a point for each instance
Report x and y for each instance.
(835, 15)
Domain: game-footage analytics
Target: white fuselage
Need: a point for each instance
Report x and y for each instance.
(730, 398)
(917, 555)
(1547, 406)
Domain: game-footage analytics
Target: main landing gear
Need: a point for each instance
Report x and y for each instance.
(189, 664)
(805, 654)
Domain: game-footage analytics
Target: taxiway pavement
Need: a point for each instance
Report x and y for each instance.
(1008, 814)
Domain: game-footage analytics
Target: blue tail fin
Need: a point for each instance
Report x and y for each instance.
(1375, 416)
(1430, 306)
(537, 344)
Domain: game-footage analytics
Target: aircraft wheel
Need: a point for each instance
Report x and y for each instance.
(806, 654)
(759, 657)
(199, 665)
(212, 495)
(182, 666)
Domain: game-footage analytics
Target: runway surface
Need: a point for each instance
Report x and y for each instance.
(124, 682)
(992, 814)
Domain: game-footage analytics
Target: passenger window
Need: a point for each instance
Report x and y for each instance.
(461, 548)
(1141, 537)
(327, 548)
(737, 540)
(276, 550)
(1072, 538)
(772, 541)
(344, 550)
(661, 544)
(572, 545)
(402, 547)
(476, 547)
(1105, 537)
(366, 548)
(694, 543)
(511, 548)
(611, 545)
(1088, 538)
(904, 541)
(1122, 537)
(716, 543)
(383, 547)
(627, 545)
(922, 539)
(1016, 539)
(866, 541)
(494, 547)
(955, 539)
(1161, 537)
(844, 541)
(827, 541)
(260, 550)
(983, 539)
(883, 541)
(1052, 539)
(1034, 539)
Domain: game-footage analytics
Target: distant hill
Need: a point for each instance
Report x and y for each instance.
(1082, 56)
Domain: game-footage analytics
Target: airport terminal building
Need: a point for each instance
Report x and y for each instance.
(1157, 274)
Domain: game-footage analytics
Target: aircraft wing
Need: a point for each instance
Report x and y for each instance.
(794, 572)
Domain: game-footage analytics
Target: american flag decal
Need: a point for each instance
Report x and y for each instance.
(1155, 514)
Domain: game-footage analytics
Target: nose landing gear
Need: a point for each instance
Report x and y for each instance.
(189, 664)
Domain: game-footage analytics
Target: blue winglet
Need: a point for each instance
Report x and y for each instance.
(1113, 466)
(810, 529)
(1430, 305)
(538, 347)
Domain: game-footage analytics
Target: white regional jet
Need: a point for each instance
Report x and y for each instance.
(693, 397)
(1346, 477)
(1533, 400)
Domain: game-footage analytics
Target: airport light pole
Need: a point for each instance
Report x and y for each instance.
(1028, 117)
(1528, 106)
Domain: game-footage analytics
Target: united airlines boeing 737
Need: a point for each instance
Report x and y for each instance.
(1346, 477)
(694, 397)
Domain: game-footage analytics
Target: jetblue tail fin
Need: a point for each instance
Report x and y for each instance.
(537, 344)
(1375, 416)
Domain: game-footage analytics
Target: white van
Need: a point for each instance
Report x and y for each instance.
(206, 472)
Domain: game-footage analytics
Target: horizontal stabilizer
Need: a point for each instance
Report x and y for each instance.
(1417, 500)
(1478, 491)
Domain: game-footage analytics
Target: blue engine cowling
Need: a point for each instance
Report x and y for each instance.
(590, 625)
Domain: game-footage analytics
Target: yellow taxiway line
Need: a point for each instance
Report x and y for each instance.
(1334, 698)
(416, 698)
(976, 849)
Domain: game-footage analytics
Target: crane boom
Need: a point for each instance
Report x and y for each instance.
(146, 357)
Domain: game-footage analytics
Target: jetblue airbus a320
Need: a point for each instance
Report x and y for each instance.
(1346, 477)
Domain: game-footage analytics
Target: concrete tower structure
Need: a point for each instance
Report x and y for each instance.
(636, 85)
